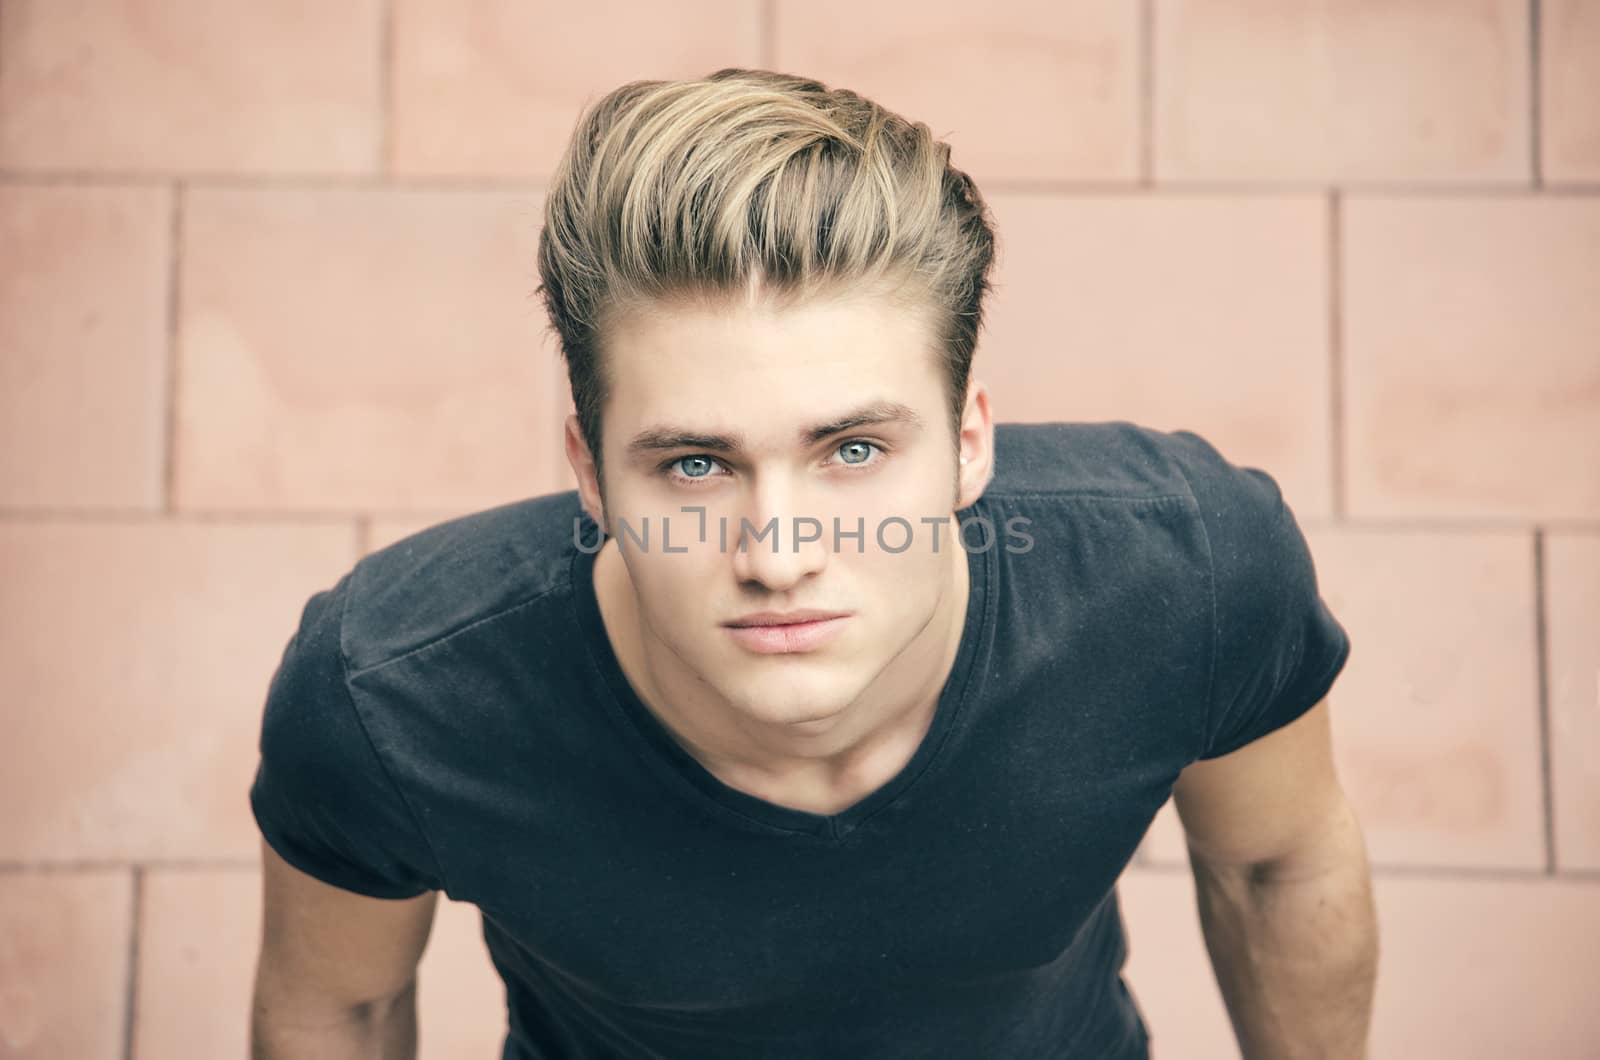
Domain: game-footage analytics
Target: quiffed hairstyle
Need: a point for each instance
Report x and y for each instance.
(697, 191)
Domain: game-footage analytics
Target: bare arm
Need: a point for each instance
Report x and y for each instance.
(336, 977)
(1284, 894)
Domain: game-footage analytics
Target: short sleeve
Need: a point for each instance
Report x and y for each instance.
(321, 797)
(1276, 646)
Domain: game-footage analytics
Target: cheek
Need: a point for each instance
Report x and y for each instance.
(929, 496)
(676, 586)
(896, 533)
(905, 587)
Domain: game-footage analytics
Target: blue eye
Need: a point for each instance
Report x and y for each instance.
(702, 460)
(695, 467)
(698, 467)
(865, 448)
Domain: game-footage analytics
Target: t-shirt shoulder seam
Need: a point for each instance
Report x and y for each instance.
(1077, 494)
(416, 822)
(441, 638)
(1211, 580)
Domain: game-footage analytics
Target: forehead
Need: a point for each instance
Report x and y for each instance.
(761, 323)
(765, 372)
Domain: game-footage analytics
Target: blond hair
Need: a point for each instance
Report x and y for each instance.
(746, 181)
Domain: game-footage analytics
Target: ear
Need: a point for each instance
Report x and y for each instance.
(583, 466)
(976, 445)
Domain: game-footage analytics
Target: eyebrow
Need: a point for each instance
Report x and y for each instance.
(668, 436)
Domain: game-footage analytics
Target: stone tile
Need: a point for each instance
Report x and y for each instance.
(1168, 970)
(1302, 90)
(1569, 90)
(1021, 89)
(348, 349)
(494, 87)
(1482, 969)
(189, 85)
(1199, 312)
(64, 939)
(1471, 363)
(1572, 630)
(199, 938)
(135, 659)
(1436, 714)
(1163, 845)
(461, 999)
(1472, 969)
(83, 327)
(1436, 717)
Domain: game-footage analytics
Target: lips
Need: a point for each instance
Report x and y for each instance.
(785, 618)
(769, 634)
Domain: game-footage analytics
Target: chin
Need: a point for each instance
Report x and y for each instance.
(774, 697)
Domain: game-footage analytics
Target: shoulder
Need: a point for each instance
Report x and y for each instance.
(1238, 505)
(1224, 490)
(1112, 458)
(1277, 646)
(1116, 490)
(322, 797)
(1171, 499)
(455, 573)
(1259, 553)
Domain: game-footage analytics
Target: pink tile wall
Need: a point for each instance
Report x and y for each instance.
(1569, 86)
(1056, 96)
(83, 328)
(1471, 374)
(1307, 90)
(359, 349)
(185, 87)
(1155, 308)
(265, 305)
(491, 87)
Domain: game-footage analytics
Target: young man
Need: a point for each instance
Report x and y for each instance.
(821, 719)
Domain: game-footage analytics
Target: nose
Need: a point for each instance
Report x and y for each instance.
(775, 544)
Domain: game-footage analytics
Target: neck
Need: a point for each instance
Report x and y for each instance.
(828, 763)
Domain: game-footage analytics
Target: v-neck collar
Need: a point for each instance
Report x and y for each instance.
(665, 754)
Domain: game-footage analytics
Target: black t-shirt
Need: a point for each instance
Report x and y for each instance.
(450, 715)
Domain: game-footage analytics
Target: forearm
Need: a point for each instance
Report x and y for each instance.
(279, 1030)
(1295, 948)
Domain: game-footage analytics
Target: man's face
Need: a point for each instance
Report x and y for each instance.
(769, 385)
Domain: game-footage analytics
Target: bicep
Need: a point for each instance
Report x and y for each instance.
(1265, 801)
(326, 951)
